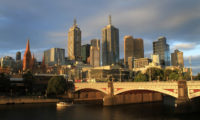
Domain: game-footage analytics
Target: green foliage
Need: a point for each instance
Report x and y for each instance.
(156, 73)
(171, 74)
(141, 77)
(56, 85)
(174, 76)
(186, 76)
(197, 77)
(28, 79)
(4, 82)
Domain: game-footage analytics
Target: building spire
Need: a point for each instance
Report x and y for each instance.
(74, 21)
(109, 20)
(27, 46)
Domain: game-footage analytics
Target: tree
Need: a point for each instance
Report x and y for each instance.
(28, 80)
(155, 73)
(4, 83)
(186, 76)
(141, 78)
(198, 76)
(56, 85)
(174, 76)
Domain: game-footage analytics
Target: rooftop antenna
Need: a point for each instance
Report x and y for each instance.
(74, 21)
(190, 62)
(109, 20)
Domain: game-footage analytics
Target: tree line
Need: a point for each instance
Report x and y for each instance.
(157, 74)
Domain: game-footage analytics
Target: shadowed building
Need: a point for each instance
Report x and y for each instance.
(161, 48)
(95, 53)
(133, 47)
(85, 52)
(74, 42)
(27, 60)
(54, 56)
(177, 58)
(18, 56)
(110, 44)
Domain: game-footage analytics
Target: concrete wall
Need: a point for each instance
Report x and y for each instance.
(26, 100)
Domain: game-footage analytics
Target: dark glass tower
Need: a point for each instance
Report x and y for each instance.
(161, 48)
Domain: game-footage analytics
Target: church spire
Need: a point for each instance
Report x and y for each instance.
(27, 46)
(109, 20)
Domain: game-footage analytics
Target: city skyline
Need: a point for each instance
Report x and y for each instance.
(145, 19)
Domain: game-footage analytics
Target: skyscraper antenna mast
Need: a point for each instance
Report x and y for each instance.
(109, 20)
(74, 21)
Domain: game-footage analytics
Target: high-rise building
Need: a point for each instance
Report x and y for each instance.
(27, 60)
(141, 62)
(161, 48)
(7, 61)
(85, 53)
(54, 56)
(74, 42)
(110, 44)
(18, 56)
(177, 58)
(130, 63)
(133, 47)
(95, 53)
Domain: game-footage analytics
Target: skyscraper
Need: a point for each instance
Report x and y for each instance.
(27, 60)
(110, 44)
(95, 53)
(85, 52)
(18, 56)
(161, 48)
(54, 56)
(177, 58)
(74, 42)
(133, 47)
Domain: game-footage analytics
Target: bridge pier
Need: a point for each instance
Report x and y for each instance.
(108, 100)
(183, 98)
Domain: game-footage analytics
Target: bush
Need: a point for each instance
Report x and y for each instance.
(56, 86)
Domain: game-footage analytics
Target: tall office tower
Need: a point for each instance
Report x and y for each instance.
(161, 48)
(27, 60)
(18, 56)
(133, 47)
(85, 53)
(95, 53)
(110, 44)
(74, 42)
(54, 56)
(177, 58)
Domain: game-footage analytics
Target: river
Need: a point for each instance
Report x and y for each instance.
(146, 111)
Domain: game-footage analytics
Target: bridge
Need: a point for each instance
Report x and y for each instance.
(181, 91)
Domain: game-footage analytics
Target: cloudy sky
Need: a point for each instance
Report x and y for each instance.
(46, 22)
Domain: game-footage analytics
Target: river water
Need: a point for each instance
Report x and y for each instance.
(147, 111)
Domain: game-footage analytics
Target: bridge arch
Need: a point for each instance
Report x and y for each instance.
(172, 94)
(96, 89)
(194, 95)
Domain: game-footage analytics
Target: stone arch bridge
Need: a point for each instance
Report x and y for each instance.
(181, 90)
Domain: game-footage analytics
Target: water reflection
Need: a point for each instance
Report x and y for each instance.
(154, 111)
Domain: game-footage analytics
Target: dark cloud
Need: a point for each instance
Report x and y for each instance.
(46, 22)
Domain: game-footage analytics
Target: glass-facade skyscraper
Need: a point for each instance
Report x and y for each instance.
(161, 48)
(110, 44)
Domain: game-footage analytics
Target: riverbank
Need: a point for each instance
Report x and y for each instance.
(4, 101)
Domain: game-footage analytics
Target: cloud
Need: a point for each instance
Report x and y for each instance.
(185, 46)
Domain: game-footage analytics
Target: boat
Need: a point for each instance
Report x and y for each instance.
(62, 104)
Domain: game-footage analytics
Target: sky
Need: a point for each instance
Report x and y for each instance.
(46, 23)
